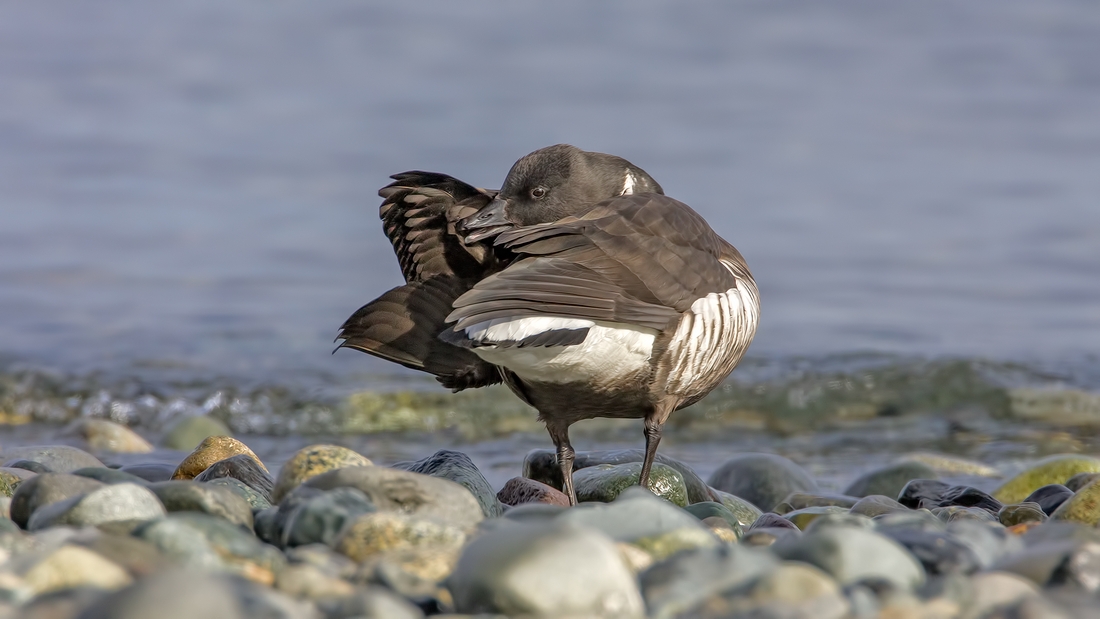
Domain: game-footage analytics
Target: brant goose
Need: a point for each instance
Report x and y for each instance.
(578, 284)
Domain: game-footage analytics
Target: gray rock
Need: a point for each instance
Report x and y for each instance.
(877, 505)
(244, 469)
(940, 553)
(27, 465)
(745, 512)
(1081, 480)
(792, 590)
(762, 479)
(371, 603)
(108, 476)
(604, 482)
(41, 490)
(251, 496)
(1057, 563)
(268, 526)
(839, 519)
(635, 515)
(989, 541)
(955, 513)
(682, 582)
(150, 471)
(58, 604)
(917, 519)
(802, 500)
(457, 467)
(542, 465)
(542, 571)
(1060, 531)
(208, 542)
(113, 503)
(889, 480)
(187, 433)
(711, 509)
(413, 493)
(319, 518)
(534, 512)
(190, 496)
(851, 554)
(56, 458)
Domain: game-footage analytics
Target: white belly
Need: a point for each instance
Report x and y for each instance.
(610, 351)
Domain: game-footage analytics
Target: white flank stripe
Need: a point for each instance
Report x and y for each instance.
(628, 184)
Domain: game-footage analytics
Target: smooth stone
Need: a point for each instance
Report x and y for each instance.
(605, 482)
(268, 525)
(62, 604)
(802, 518)
(542, 465)
(207, 542)
(1051, 470)
(187, 594)
(314, 516)
(212, 449)
(254, 498)
(998, 590)
(417, 572)
(534, 512)
(917, 519)
(521, 490)
(770, 520)
(745, 512)
(73, 566)
(682, 582)
(762, 479)
(45, 489)
(1060, 531)
(802, 500)
(851, 554)
(243, 469)
(108, 476)
(1020, 513)
(111, 503)
(56, 458)
(108, 436)
(954, 513)
(312, 461)
(710, 509)
(540, 571)
(1080, 480)
(876, 505)
(792, 591)
(889, 480)
(949, 465)
(371, 603)
(191, 496)
(1050, 497)
(375, 533)
(768, 529)
(27, 465)
(137, 557)
(920, 492)
(967, 496)
(14, 475)
(990, 541)
(150, 471)
(635, 515)
(457, 467)
(840, 519)
(939, 553)
(189, 432)
(411, 493)
(1056, 563)
(1083, 507)
(310, 582)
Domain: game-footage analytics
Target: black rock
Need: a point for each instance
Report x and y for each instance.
(321, 517)
(1081, 480)
(965, 496)
(762, 479)
(919, 490)
(772, 521)
(457, 467)
(1049, 497)
(29, 465)
(938, 552)
(243, 468)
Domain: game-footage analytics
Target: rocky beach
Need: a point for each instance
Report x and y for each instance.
(109, 530)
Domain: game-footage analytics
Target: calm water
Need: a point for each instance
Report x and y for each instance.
(187, 190)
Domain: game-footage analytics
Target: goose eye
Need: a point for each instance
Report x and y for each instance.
(538, 192)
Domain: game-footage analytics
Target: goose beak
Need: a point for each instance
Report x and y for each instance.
(488, 222)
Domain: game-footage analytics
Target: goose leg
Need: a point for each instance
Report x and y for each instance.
(652, 439)
(560, 436)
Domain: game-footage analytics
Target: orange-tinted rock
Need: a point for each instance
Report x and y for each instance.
(213, 449)
(520, 490)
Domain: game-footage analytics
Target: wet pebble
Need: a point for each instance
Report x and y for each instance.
(605, 482)
(191, 496)
(745, 512)
(521, 490)
(542, 465)
(1082, 507)
(457, 467)
(851, 554)
(889, 480)
(108, 476)
(801, 500)
(876, 505)
(256, 500)
(113, 503)
(379, 532)
(953, 513)
(207, 542)
(73, 566)
(1051, 470)
(55, 458)
(244, 469)
(802, 518)
(1050, 497)
(311, 461)
(1081, 480)
(103, 435)
(683, 582)
(1020, 513)
(762, 479)
(311, 516)
(211, 450)
(150, 471)
(44, 489)
(545, 571)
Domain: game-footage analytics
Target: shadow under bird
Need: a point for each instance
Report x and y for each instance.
(578, 284)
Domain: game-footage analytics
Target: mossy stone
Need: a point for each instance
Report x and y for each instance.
(312, 461)
(1083, 507)
(802, 518)
(1052, 470)
(605, 482)
(745, 512)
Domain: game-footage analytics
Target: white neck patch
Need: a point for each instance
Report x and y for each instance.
(628, 184)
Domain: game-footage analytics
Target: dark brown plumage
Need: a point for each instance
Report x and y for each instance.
(579, 285)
